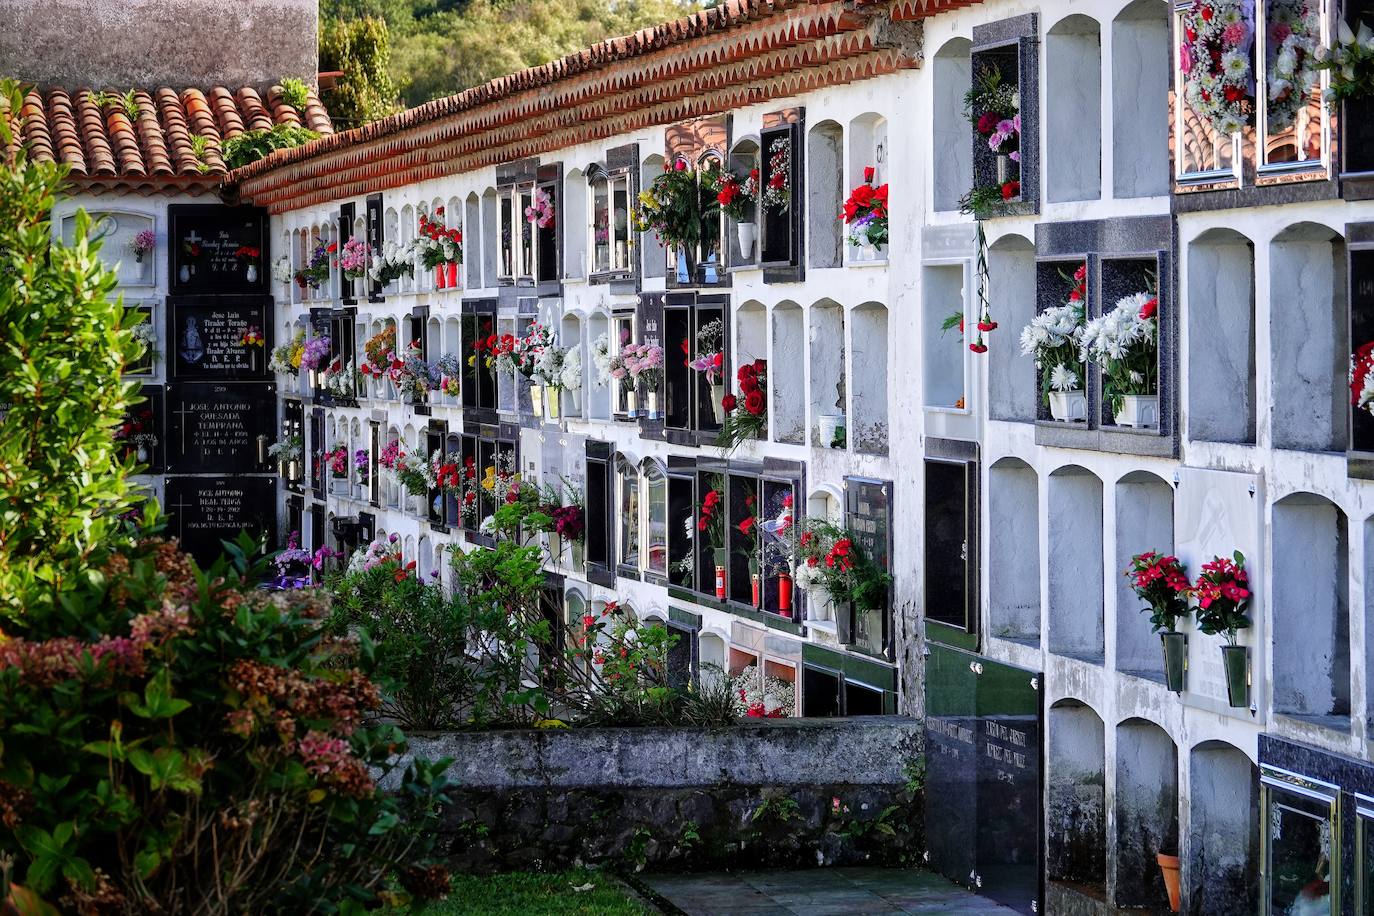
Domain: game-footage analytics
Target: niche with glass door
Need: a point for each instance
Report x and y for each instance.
(614, 187)
(695, 366)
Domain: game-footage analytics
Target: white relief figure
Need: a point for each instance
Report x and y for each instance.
(192, 350)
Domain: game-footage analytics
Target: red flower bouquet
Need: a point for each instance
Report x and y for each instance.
(1222, 592)
(1162, 584)
(746, 413)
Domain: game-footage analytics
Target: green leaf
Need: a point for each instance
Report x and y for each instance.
(385, 823)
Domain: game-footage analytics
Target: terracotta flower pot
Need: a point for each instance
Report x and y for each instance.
(1168, 866)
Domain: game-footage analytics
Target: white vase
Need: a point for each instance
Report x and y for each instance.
(654, 413)
(252, 273)
(631, 403)
(748, 235)
(575, 402)
(831, 425)
(1138, 410)
(717, 396)
(1069, 406)
(867, 251)
(184, 275)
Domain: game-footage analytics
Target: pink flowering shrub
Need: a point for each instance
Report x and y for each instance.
(168, 724)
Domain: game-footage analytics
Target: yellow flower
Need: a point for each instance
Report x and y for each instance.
(648, 201)
(489, 479)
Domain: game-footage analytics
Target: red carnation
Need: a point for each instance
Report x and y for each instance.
(753, 402)
(746, 527)
(868, 173)
(1011, 189)
(986, 326)
(760, 366)
(1148, 309)
(978, 348)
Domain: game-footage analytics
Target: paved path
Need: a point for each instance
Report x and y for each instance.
(818, 892)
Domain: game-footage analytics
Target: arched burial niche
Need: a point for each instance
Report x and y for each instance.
(1140, 99)
(1013, 391)
(951, 144)
(1075, 563)
(1073, 70)
(1311, 610)
(943, 357)
(1309, 338)
(472, 240)
(651, 249)
(1146, 812)
(1075, 796)
(575, 224)
(868, 371)
(1223, 832)
(787, 372)
(826, 340)
(1144, 521)
(744, 157)
(825, 193)
(1221, 337)
(1014, 548)
(490, 236)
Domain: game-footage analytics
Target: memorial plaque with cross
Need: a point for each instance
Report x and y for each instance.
(204, 511)
(220, 429)
(217, 249)
(211, 338)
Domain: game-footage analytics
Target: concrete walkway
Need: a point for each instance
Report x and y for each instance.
(817, 892)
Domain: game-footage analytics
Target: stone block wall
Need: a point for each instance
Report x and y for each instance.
(785, 793)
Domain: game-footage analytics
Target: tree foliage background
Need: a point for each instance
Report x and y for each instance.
(440, 47)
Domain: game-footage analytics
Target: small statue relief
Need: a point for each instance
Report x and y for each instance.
(192, 349)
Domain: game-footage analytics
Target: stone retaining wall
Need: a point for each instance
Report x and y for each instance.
(780, 793)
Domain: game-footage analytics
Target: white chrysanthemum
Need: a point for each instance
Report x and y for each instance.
(570, 377)
(1062, 378)
(1235, 65)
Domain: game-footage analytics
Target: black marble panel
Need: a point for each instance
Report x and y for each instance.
(217, 249)
(220, 428)
(203, 511)
(205, 337)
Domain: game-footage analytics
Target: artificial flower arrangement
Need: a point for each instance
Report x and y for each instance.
(570, 373)
(293, 558)
(362, 465)
(281, 269)
(1125, 343)
(1161, 582)
(252, 337)
(1291, 65)
(603, 359)
(746, 415)
(1362, 377)
(136, 431)
(249, 254)
(378, 553)
(548, 367)
(1052, 339)
(1350, 60)
(710, 359)
(1215, 59)
(993, 106)
(777, 193)
(1222, 593)
(829, 559)
(287, 450)
(146, 334)
(380, 350)
(394, 262)
(672, 207)
(530, 346)
(341, 379)
(390, 456)
(450, 368)
(440, 244)
(644, 363)
(710, 526)
(144, 242)
(495, 352)
(865, 213)
(502, 478)
(736, 196)
(413, 471)
(540, 210)
(414, 377)
(315, 351)
(337, 460)
(353, 259)
(775, 699)
(468, 487)
(316, 271)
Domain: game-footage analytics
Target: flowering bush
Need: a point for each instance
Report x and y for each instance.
(1163, 585)
(1223, 595)
(672, 207)
(829, 559)
(1291, 65)
(438, 243)
(735, 196)
(394, 261)
(710, 359)
(777, 195)
(208, 729)
(540, 210)
(1351, 62)
(315, 352)
(746, 414)
(287, 357)
(1125, 343)
(353, 259)
(1053, 336)
(865, 212)
(316, 272)
(1215, 59)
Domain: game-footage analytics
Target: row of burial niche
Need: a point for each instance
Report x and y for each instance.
(221, 404)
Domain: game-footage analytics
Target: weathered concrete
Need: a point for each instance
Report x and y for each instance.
(116, 44)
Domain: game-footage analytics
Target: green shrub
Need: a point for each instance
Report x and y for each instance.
(203, 746)
(295, 93)
(66, 341)
(252, 145)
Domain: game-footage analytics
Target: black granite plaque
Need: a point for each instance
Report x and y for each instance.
(868, 516)
(204, 511)
(206, 337)
(983, 776)
(141, 433)
(376, 239)
(217, 428)
(217, 249)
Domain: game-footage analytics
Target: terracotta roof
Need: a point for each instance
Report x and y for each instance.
(740, 53)
(150, 148)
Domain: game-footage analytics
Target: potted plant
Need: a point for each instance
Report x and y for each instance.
(1163, 585)
(673, 209)
(1125, 343)
(1223, 596)
(711, 526)
(746, 414)
(829, 559)
(865, 213)
(738, 198)
(1052, 339)
(441, 249)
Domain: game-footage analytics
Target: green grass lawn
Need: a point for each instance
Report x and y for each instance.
(527, 894)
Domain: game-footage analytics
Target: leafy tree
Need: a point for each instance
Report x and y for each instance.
(62, 356)
(361, 48)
